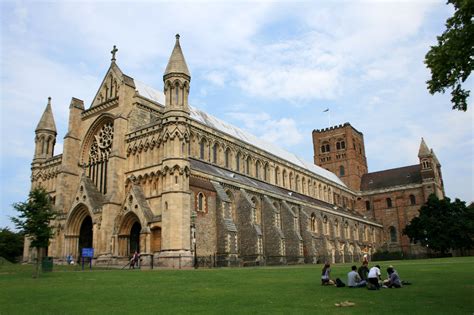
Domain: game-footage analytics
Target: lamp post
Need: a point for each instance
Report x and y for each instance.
(193, 237)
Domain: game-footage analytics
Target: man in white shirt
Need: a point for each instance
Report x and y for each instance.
(353, 279)
(374, 276)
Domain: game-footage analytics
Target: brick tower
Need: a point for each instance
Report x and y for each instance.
(340, 149)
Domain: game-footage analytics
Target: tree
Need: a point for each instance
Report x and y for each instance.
(11, 244)
(452, 59)
(443, 225)
(34, 220)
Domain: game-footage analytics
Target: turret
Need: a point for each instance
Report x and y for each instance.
(175, 200)
(430, 171)
(45, 135)
(176, 81)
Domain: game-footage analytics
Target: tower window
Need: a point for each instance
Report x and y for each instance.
(425, 164)
(389, 202)
(340, 144)
(341, 171)
(367, 205)
(412, 200)
(325, 147)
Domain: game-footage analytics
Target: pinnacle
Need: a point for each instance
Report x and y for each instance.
(47, 119)
(177, 63)
(424, 150)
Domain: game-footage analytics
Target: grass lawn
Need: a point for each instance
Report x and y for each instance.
(440, 286)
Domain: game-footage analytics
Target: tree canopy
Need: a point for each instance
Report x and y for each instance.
(452, 59)
(443, 225)
(11, 244)
(34, 220)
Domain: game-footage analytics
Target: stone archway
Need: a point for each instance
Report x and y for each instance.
(79, 231)
(129, 235)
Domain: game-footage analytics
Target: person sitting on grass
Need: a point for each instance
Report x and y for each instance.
(354, 280)
(326, 275)
(373, 278)
(363, 271)
(394, 279)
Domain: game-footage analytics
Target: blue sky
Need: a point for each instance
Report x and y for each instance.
(268, 67)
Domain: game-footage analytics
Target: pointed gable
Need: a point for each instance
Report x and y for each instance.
(47, 119)
(88, 194)
(110, 86)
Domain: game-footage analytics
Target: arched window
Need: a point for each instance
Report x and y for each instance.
(313, 222)
(227, 157)
(367, 205)
(325, 225)
(389, 202)
(202, 147)
(346, 230)
(200, 202)
(98, 158)
(237, 162)
(247, 165)
(412, 200)
(284, 178)
(257, 215)
(277, 216)
(393, 234)
(341, 171)
(276, 176)
(214, 153)
(340, 144)
(257, 169)
(325, 147)
(425, 164)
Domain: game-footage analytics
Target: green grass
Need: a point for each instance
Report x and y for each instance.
(440, 286)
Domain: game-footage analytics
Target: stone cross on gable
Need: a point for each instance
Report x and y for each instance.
(113, 52)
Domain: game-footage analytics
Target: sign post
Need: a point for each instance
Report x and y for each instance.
(87, 252)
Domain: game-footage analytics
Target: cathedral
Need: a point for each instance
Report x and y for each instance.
(143, 170)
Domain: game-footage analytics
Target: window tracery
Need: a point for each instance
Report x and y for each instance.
(99, 156)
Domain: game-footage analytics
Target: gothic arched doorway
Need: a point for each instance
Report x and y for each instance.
(135, 237)
(85, 234)
(79, 232)
(129, 235)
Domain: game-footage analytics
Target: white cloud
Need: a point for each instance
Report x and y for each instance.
(281, 132)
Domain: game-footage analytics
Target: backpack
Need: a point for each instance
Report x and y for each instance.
(339, 283)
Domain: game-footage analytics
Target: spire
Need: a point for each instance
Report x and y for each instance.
(177, 63)
(435, 158)
(424, 151)
(47, 120)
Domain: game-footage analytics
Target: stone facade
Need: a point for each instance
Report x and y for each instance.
(142, 170)
(391, 197)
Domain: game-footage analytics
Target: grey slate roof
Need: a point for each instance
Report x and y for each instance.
(391, 178)
(248, 181)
